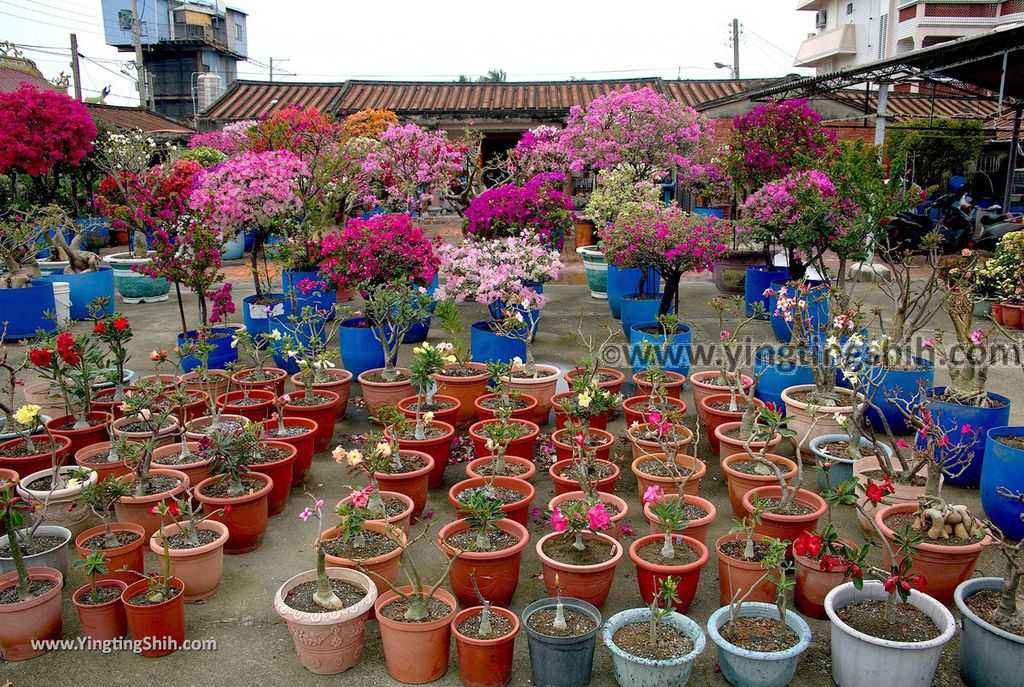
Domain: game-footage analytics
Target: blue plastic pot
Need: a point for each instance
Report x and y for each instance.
(1003, 466)
(301, 332)
(842, 467)
(97, 231)
(817, 309)
(418, 332)
(485, 345)
(248, 239)
(634, 670)
(745, 668)
(85, 288)
(234, 247)
(24, 309)
(360, 350)
(758, 279)
(635, 310)
(220, 357)
(561, 661)
(952, 416)
(676, 359)
(776, 376)
(623, 281)
(497, 308)
(258, 317)
(319, 298)
(884, 383)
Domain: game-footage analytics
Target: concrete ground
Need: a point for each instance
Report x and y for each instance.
(253, 645)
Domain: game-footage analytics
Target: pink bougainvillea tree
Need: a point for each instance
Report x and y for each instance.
(383, 249)
(230, 140)
(537, 152)
(40, 129)
(537, 207)
(412, 167)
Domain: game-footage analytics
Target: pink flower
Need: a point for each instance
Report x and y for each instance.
(598, 516)
(902, 444)
(978, 337)
(725, 334)
(306, 514)
(653, 494)
(359, 498)
(654, 418)
(558, 521)
(928, 343)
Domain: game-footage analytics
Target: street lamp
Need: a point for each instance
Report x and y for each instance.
(722, 65)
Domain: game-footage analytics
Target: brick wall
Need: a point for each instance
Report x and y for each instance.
(960, 9)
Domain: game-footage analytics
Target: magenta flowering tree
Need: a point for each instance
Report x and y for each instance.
(230, 140)
(537, 208)
(537, 152)
(412, 166)
(383, 249)
(253, 190)
(40, 129)
(775, 139)
(668, 239)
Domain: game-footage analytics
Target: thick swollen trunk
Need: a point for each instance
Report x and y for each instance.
(24, 581)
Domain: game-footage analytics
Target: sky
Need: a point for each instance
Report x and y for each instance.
(532, 40)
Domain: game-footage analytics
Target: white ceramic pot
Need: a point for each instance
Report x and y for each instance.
(65, 507)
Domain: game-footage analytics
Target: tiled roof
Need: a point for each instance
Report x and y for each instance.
(699, 92)
(906, 105)
(251, 99)
(136, 118)
(11, 78)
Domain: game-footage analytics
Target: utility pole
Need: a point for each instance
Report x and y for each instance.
(735, 48)
(140, 67)
(76, 69)
(283, 59)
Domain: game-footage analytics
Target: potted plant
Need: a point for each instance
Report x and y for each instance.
(521, 436)
(464, 380)
(258, 349)
(490, 547)
(664, 465)
(297, 432)
(195, 543)
(760, 643)
(155, 609)
(326, 611)
(740, 555)
(514, 496)
(582, 464)
(98, 602)
(562, 633)
(520, 405)
(304, 347)
(653, 645)
(390, 469)
(484, 639)
(120, 542)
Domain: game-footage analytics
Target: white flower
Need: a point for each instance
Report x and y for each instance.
(275, 335)
(517, 361)
(841, 419)
(383, 448)
(428, 417)
(584, 400)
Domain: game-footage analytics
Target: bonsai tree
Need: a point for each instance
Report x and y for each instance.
(10, 369)
(482, 512)
(1009, 615)
(499, 435)
(732, 379)
(769, 423)
(574, 518)
(381, 457)
(100, 497)
(382, 250)
(150, 416)
(306, 342)
(324, 596)
(615, 190)
(537, 210)
(451, 322)
(183, 513)
(392, 310)
(259, 350)
(92, 565)
(520, 322)
(368, 123)
(12, 514)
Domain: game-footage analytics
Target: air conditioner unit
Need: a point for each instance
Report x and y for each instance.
(124, 20)
(820, 18)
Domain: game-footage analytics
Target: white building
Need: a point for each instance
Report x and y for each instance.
(852, 32)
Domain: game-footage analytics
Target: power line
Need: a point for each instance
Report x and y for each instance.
(104, 67)
(50, 14)
(755, 34)
(49, 23)
(65, 9)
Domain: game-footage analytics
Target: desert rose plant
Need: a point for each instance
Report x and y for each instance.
(12, 514)
(392, 310)
(573, 518)
(428, 360)
(100, 497)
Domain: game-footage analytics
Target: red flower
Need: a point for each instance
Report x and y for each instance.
(120, 324)
(100, 328)
(154, 510)
(807, 544)
(40, 357)
(172, 508)
(874, 493)
(894, 583)
(65, 341)
(70, 357)
(227, 509)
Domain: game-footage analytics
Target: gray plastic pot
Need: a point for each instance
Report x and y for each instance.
(561, 661)
(842, 468)
(989, 657)
(56, 558)
(745, 668)
(860, 660)
(633, 671)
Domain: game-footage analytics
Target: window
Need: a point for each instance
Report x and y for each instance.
(849, 8)
(238, 31)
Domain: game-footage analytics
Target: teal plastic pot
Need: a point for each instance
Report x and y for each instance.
(596, 271)
(133, 286)
(633, 671)
(233, 247)
(561, 661)
(989, 656)
(842, 468)
(744, 668)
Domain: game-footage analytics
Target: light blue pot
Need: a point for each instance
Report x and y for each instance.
(842, 468)
(233, 247)
(744, 668)
(633, 671)
(989, 656)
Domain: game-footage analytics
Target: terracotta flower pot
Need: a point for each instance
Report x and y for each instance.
(563, 485)
(162, 624)
(668, 485)
(563, 440)
(247, 519)
(386, 565)
(197, 406)
(741, 482)
(637, 408)
(214, 384)
(129, 556)
(35, 462)
(485, 662)
(340, 383)
(439, 449)
(465, 388)
(200, 567)
(413, 484)
(332, 642)
(518, 511)
(258, 408)
(713, 417)
(303, 444)
(195, 430)
(522, 447)
(739, 575)
(155, 380)
(280, 473)
(527, 412)
(103, 621)
(800, 417)
(136, 508)
(103, 402)
(618, 520)
(542, 387)
(415, 653)
(38, 618)
(786, 527)
(645, 447)
(323, 413)
(590, 583)
(103, 469)
(196, 467)
(529, 465)
(1012, 315)
(450, 414)
(39, 394)
(401, 520)
(905, 493)
(697, 529)
(613, 385)
(673, 384)
(944, 567)
(599, 421)
(165, 435)
(82, 438)
(649, 576)
(8, 475)
(728, 445)
(274, 381)
(496, 572)
(705, 384)
(812, 584)
(378, 395)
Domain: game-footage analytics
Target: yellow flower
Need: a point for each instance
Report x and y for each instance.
(449, 359)
(26, 414)
(354, 457)
(584, 399)
(428, 417)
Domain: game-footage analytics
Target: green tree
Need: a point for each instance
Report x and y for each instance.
(932, 150)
